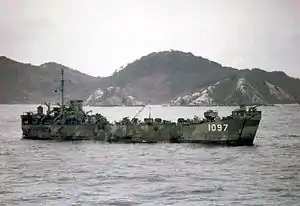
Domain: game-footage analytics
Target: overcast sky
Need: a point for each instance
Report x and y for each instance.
(99, 36)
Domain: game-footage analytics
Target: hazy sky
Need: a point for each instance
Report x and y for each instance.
(99, 36)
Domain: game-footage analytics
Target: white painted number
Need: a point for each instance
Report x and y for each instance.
(225, 126)
(217, 127)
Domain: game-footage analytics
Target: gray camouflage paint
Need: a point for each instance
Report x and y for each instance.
(240, 131)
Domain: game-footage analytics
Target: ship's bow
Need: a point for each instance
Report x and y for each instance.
(249, 129)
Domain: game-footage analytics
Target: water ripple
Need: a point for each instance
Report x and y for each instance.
(93, 173)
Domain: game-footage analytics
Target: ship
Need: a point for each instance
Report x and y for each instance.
(70, 122)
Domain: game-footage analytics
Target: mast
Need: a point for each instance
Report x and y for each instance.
(62, 88)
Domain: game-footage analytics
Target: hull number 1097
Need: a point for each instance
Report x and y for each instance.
(217, 127)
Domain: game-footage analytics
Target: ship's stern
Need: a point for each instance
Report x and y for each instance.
(26, 121)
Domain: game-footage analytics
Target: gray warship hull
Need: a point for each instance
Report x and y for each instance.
(239, 132)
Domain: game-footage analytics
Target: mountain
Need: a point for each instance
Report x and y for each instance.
(174, 77)
(233, 91)
(181, 78)
(161, 76)
(25, 83)
(111, 96)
